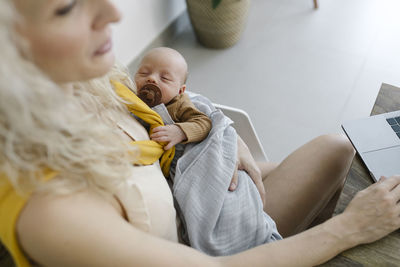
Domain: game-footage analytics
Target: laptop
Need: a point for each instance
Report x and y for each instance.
(377, 141)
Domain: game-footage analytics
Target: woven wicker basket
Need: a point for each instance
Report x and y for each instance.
(220, 27)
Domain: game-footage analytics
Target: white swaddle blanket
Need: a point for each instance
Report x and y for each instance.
(217, 221)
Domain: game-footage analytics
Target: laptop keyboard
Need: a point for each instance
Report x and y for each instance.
(395, 124)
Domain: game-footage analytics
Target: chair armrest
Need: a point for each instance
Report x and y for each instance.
(245, 129)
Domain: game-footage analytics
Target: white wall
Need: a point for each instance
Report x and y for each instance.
(142, 22)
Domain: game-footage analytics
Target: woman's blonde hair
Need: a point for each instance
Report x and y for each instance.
(45, 127)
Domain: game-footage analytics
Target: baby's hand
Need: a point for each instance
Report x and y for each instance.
(170, 133)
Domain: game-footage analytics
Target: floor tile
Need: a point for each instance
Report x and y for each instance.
(300, 73)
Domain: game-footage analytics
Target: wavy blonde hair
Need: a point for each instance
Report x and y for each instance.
(44, 127)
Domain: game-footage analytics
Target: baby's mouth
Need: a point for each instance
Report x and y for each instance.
(150, 94)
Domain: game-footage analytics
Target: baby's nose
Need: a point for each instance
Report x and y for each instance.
(151, 79)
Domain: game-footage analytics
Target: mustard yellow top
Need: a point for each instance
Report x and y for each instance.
(11, 205)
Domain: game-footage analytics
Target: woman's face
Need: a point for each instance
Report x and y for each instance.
(70, 40)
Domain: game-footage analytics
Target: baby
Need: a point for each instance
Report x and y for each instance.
(212, 222)
(161, 78)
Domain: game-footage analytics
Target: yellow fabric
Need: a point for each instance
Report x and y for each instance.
(150, 151)
(11, 205)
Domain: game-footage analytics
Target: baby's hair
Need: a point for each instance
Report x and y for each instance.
(43, 127)
(185, 77)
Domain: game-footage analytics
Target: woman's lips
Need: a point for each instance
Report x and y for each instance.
(105, 48)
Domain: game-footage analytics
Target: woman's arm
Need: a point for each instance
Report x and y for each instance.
(371, 215)
(310, 248)
(86, 230)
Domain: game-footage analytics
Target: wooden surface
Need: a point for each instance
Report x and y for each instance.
(385, 252)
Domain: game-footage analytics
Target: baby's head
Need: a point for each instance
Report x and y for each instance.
(166, 69)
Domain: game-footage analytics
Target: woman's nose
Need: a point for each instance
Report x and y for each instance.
(107, 13)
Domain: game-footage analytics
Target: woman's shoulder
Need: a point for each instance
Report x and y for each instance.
(80, 229)
(47, 209)
(48, 221)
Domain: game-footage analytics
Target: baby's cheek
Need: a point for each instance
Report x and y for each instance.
(138, 82)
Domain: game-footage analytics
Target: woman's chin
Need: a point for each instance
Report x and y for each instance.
(103, 64)
(84, 71)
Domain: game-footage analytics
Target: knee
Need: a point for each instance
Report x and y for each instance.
(339, 146)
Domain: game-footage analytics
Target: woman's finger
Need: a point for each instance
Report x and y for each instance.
(261, 190)
(396, 192)
(234, 180)
(391, 182)
(255, 175)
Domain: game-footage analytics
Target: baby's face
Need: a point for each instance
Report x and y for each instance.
(164, 68)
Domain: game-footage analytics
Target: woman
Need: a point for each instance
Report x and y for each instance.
(80, 202)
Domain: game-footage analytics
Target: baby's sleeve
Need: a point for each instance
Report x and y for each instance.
(195, 124)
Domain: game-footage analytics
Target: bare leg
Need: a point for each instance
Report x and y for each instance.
(266, 168)
(307, 183)
(326, 213)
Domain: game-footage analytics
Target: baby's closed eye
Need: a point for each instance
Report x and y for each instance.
(166, 78)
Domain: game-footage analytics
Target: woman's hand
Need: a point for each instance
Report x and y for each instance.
(375, 211)
(246, 162)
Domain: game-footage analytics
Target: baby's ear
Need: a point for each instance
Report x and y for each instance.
(182, 89)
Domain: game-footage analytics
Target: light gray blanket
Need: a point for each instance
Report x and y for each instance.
(217, 221)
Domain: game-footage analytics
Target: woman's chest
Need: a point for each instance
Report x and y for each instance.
(147, 199)
(131, 128)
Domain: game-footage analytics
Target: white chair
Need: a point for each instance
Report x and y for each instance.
(244, 127)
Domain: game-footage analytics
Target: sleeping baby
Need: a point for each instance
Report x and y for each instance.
(202, 170)
(161, 78)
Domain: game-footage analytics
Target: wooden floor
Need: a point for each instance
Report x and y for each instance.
(385, 252)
